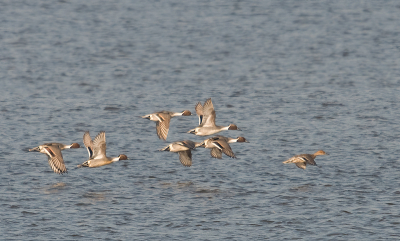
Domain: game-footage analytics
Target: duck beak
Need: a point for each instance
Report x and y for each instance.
(146, 117)
(192, 131)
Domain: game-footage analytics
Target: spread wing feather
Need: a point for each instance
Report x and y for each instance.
(185, 157)
(216, 153)
(99, 145)
(209, 114)
(162, 126)
(301, 165)
(87, 141)
(199, 112)
(55, 159)
(224, 147)
(308, 159)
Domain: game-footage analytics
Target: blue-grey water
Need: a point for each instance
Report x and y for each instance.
(295, 76)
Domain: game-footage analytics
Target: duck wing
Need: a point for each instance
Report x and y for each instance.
(209, 114)
(308, 158)
(224, 147)
(55, 159)
(162, 126)
(301, 165)
(87, 141)
(199, 112)
(99, 145)
(188, 143)
(298, 160)
(185, 157)
(216, 153)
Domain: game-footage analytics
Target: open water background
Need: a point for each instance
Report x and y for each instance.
(295, 76)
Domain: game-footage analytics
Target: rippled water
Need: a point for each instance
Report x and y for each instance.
(295, 76)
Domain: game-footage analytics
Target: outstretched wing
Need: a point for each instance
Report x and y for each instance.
(309, 159)
(185, 157)
(209, 114)
(199, 112)
(224, 147)
(299, 160)
(87, 141)
(216, 153)
(55, 159)
(301, 165)
(162, 126)
(99, 145)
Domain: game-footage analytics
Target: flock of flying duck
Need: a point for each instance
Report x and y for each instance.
(218, 144)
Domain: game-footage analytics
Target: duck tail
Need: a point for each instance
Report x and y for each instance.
(85, 164)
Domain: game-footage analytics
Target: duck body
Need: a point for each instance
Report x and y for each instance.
(232, 140)
(98, 162)
(62, 146)
(206, 131)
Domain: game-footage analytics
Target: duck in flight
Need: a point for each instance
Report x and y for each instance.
(162, 119)
(207, 124)
(218, 145)
(184, 150)
(97, 151)
(53, 152)
(302, 160)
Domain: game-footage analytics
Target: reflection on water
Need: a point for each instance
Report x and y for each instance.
(302, 188)
(95, 196)
(177, 185)
(54, 188)
(189, 186)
